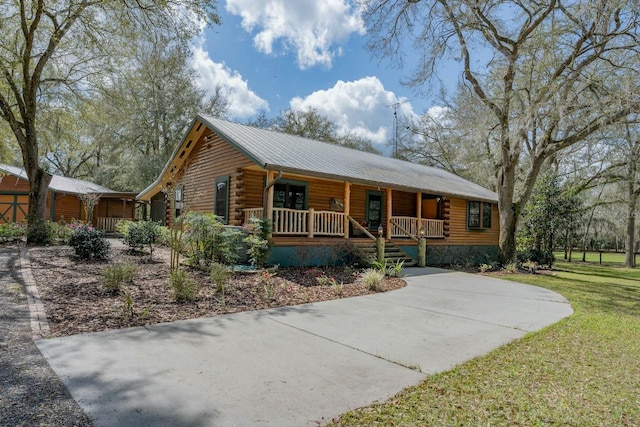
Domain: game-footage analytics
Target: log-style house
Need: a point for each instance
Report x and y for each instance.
(64, 199)
(319, 194)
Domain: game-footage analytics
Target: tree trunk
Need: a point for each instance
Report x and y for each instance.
(630, 259)
(508, 219)
(38, 186)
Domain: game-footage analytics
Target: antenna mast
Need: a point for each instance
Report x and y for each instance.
(395, 107)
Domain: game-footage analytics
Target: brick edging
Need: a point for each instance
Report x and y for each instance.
(37, 314)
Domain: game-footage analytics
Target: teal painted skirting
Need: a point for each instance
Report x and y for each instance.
(447, 255)
(293, 256)
(290, 256)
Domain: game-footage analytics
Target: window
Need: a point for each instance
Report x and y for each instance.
(178, 200)
(221, 203)
(479, 215)
(290, 194)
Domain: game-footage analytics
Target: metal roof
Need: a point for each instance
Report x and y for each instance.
(291, 153)
(63, 184)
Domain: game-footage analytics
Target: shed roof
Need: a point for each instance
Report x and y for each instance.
(63, 184)
(279, 151)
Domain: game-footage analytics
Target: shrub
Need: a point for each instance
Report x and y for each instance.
(511, 267)
(122, 226)
(184, 287)
(207, 240)
(386, 267)
(219, 275)
(89, 243)
(394, 269)
(539, 256)
(141, 233)
(11, 232)
(40, 233)
(58, 231)
(373, 279)
(114, 277)
(164, 236)
(380, 266)
(258, 243)
(530, 265)
(127, 307)
(485, 267)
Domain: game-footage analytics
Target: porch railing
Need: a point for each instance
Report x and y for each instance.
(107, 224)
(302, 222)
(329, 223)
(401, 226)
(252, 212)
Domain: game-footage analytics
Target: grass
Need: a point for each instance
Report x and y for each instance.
(608, 258)
(582, 371)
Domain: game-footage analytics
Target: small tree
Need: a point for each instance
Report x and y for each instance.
(549, 213)
(258, 241)
(89, 202)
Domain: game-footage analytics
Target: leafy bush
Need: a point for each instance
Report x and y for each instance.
(184, 287)
(511, 267)
(12, 232)
(373, 279)
(122, 226)
(89, 243)
(60, 230)
(40, 233)
(542, 257)
(207, 240)
(164, 236)
(141, 233)
(258, 243)
(485, 267)
(114, 277)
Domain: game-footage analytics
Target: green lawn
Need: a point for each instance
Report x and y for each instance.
(582, 371)
(608, 258)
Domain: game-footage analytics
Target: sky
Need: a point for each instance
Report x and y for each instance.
(273, 55)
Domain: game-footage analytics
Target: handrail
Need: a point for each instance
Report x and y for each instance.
(401, 228)
(357, 225)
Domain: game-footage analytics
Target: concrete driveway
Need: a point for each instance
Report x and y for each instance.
(299, 365)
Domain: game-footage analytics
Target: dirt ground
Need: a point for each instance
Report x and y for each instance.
(76, 301)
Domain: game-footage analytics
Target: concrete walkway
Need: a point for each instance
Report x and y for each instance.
(299, 365)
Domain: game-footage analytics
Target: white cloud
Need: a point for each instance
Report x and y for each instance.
(362, 107)
(310, 27)
(243, 102)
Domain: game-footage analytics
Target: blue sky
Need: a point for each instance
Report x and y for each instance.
(271, 55)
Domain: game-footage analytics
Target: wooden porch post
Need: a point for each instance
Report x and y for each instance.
(419, 208)
(389, 212)
(124, 208)
(310, 223)
(347, 207)
(268, 209)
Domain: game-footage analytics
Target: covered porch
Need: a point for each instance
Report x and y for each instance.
(339, 222)
(113, 208)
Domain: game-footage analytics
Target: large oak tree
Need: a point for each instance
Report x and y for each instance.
(50, 49)
(548, 73)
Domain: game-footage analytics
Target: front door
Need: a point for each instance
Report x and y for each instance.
(374, 209)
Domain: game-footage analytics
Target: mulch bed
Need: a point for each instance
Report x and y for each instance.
(76, 301)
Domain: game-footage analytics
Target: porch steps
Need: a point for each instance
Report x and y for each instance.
(391, 252)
